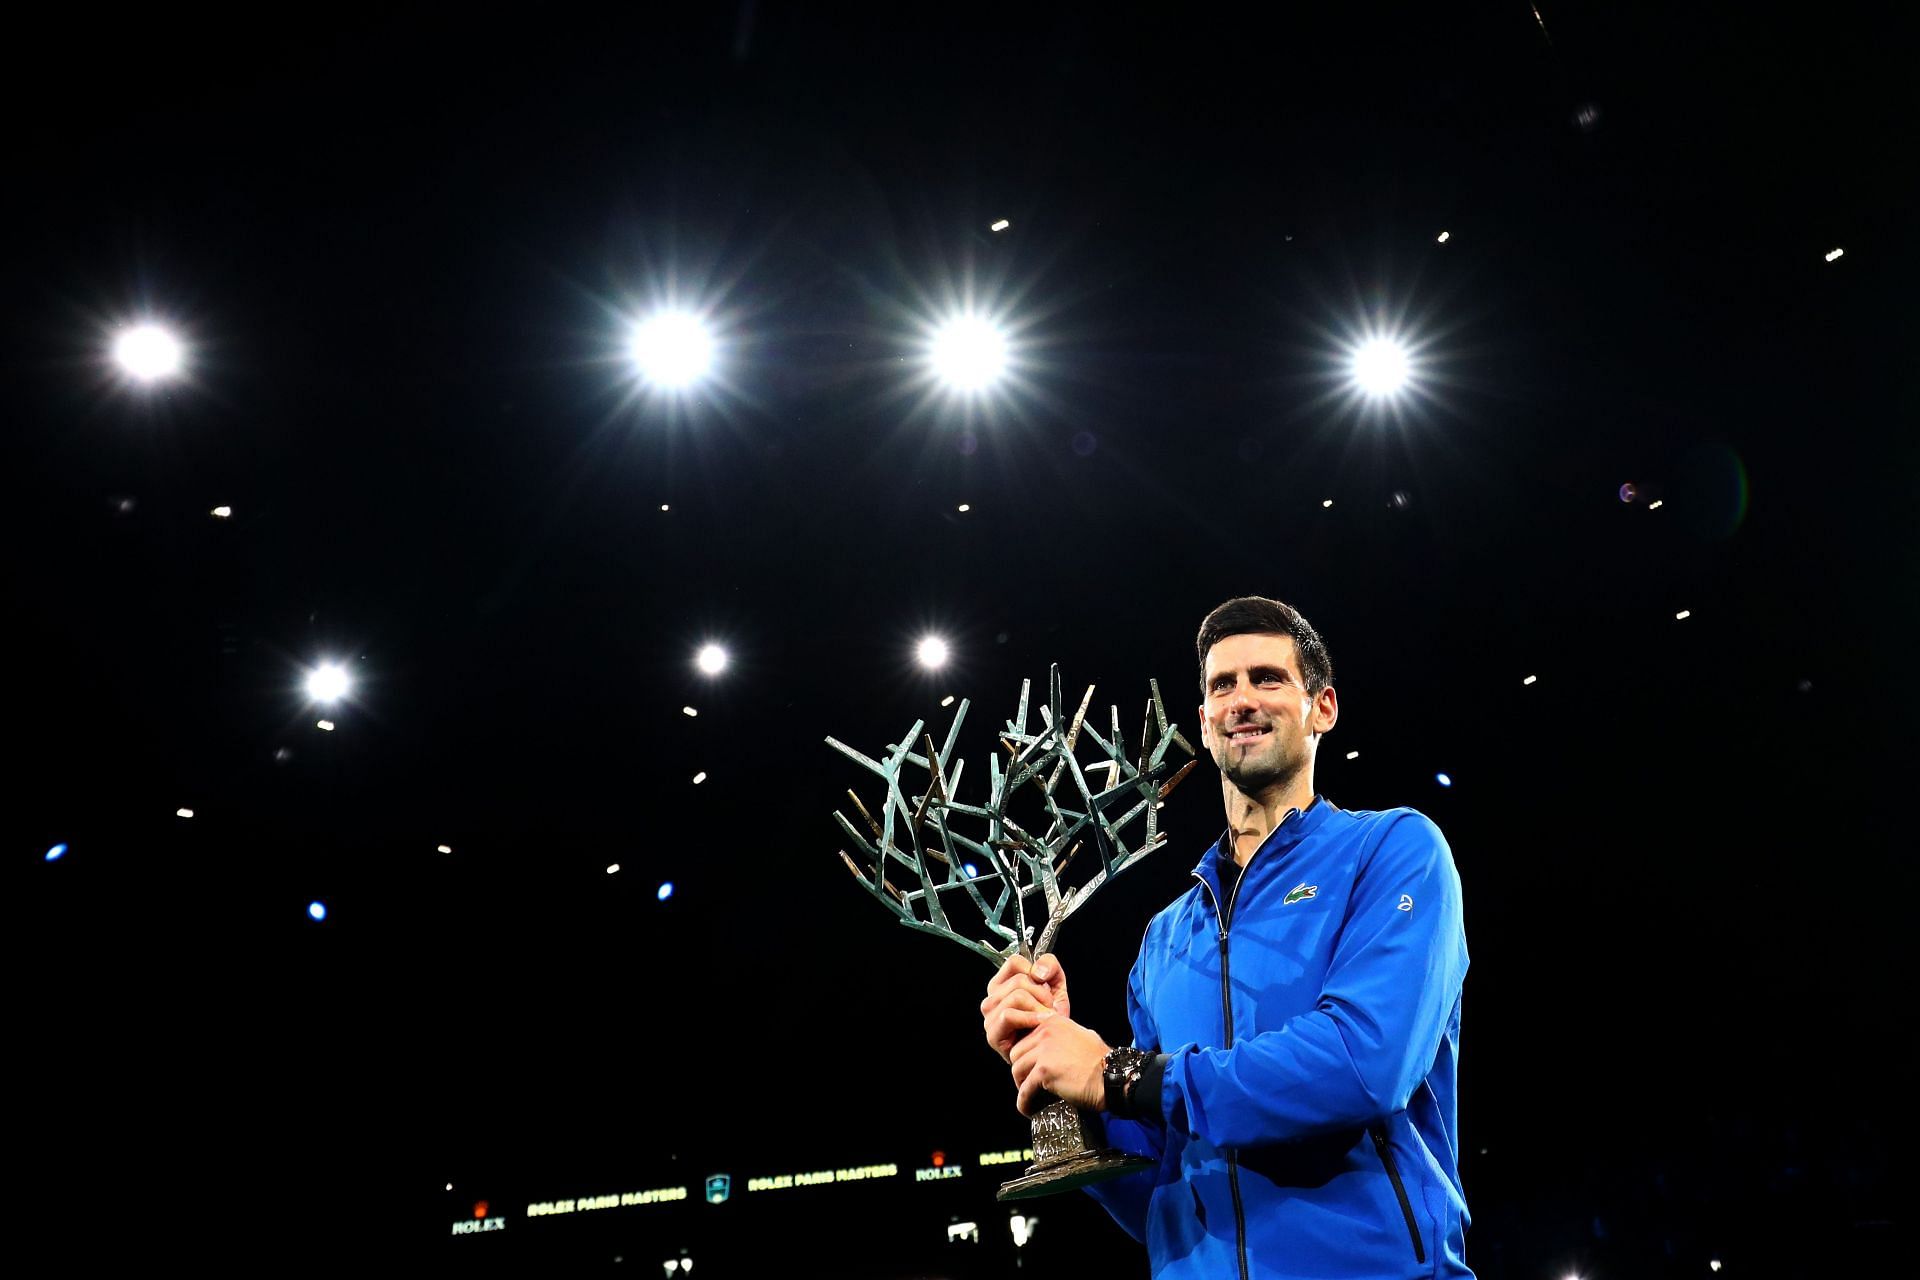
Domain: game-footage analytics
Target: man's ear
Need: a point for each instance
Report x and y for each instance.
(1326, 710)
(1206, 729)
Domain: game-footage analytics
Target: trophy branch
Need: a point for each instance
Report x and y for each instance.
(972, 869)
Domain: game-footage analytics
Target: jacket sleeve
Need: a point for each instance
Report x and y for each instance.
(1358, 1055)
(1126, 1198)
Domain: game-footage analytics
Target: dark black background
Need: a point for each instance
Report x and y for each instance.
(404, 249)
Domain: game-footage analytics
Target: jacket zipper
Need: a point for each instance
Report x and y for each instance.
(1233, 1165)
(1399, 1189)
(1226, 1009)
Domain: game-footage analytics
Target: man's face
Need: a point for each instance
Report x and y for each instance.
(1257, 720)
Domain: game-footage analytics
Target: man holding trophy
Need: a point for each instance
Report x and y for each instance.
(1295, 1014)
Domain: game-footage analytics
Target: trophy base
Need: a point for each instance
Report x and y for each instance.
(1076, 1171)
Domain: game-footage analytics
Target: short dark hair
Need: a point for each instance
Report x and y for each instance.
(1257, 615)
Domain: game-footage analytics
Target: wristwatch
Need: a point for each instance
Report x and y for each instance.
(1121, 1071)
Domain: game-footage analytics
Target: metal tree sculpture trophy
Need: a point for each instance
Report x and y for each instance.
(1011, 880)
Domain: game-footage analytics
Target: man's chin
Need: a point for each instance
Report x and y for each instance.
(1251, 779)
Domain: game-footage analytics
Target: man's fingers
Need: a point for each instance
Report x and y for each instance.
(1010, 1021)
(1046, 968)
(1025, 1061)
(1018, 998)
(1008, 1029)
(1021, 985)
(1017, 972)
(1018, 983)
(1015, 965)
(1030, 1091)
(1026, 1044)
(1016, 1004)
(1023, 1019)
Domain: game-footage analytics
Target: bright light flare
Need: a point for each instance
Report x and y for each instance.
(1381, 367)
(328, 682)
(969, 353)
(932, 653)
(317, 910)
(222, 513)
(183, 813)
(327, 725)
(712, 659)
(148, 353)
(1445, 780)
(664, 892)
(56, 853)
(1001, 225)
(1444, 236)
(674, 349)
(1835, 253)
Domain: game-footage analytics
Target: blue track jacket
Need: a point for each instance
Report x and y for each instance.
(1311, 1018)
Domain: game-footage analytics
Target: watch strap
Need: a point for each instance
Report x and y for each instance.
(1132, 1079)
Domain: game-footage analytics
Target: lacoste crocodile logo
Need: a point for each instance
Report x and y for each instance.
(1298, 893)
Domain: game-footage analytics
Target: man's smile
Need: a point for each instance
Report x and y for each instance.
(1247, 733)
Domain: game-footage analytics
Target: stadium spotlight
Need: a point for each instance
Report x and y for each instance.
(932, 653)
(673, 349)
(148, 353)
(969, 353)
(327, 682)
(1380, 367)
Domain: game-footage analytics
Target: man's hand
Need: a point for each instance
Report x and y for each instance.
(1018, 997)
(1063, 1058)
(1027, 1020)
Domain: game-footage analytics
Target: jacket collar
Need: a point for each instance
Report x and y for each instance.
(1295, 827)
